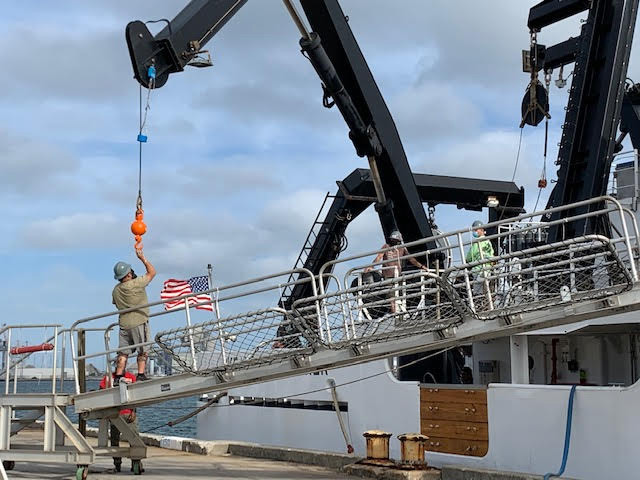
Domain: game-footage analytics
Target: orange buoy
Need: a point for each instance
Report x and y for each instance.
(139, 228)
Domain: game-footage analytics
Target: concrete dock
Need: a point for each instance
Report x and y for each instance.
(196, 459)
(164, 464)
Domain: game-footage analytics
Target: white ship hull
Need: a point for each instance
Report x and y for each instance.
(521, 426)
(526, 423)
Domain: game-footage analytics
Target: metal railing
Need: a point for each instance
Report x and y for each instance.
(351, 311)
(7, 356)
(625, 164)
(532, 276)
(245, 332)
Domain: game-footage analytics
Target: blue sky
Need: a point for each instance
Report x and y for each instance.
(239, 155)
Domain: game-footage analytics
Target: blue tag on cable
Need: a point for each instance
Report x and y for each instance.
(151, 72)
(142, 138)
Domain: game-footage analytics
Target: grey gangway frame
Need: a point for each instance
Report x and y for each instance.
(353, 321)
(436, 300)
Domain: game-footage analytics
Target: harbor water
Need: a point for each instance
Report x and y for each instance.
(152, 418)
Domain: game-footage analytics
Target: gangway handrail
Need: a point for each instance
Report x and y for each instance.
(30, 325)
(490, 260)
(610, 205)
(469, 265)
(184, 384)
(527, 251)
(8, 353)
(311, 279)
(422, 241)
(112, 350)
(635, 226)
(308, 277)
(466, 230)
(107, 330)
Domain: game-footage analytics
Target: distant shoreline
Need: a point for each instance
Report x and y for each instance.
(35, 379)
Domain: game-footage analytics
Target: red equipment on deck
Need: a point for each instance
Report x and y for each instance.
(31, 348)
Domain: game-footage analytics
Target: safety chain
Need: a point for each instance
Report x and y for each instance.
(547, 79)
(533, 42)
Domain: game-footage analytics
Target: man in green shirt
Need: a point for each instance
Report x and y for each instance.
(480, 250)
(134, 326)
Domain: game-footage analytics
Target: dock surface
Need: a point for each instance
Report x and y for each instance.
(163, 464)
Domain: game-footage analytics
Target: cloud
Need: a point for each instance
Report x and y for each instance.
(28, 166)
(432, 111)
(67, 65)
(489, 155)
(227, 176)
(238, 248)
(240, 154)
(78, 230)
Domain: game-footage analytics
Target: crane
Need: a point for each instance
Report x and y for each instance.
(347, 83)
(601, 100)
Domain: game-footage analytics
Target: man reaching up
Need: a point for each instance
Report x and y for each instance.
(134, 325)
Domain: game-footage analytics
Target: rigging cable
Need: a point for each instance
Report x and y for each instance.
(138, 227)
(513, 177)
(542, 183)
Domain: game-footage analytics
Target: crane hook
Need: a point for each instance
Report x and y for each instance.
(138, 227)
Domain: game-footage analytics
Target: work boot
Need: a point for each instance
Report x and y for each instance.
(141, 377)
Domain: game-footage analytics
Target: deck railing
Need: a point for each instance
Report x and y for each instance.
(525, 273)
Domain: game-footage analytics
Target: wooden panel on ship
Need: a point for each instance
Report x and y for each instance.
(455, 419)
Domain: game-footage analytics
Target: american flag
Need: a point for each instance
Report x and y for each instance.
(175, 288)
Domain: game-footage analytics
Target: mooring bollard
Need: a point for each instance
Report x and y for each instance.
(377, 444)
(412, 449)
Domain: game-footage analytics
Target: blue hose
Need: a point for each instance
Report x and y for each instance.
(567, 437)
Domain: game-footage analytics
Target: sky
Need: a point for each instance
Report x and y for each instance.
(240, 155)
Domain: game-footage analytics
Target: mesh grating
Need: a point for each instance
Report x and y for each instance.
(255, 338)
(411, 304)
(551, 275)
(416, 302)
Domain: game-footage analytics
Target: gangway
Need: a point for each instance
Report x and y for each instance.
(530, 284)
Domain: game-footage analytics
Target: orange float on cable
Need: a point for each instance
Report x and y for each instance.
(138, 228)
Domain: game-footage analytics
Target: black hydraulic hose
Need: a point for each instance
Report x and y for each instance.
(363, 136)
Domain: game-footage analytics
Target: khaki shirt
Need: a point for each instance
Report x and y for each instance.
(131, 294)
(393, 265)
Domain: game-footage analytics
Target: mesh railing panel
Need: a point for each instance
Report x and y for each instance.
(413, 303)
(565, 272)
(255, 338)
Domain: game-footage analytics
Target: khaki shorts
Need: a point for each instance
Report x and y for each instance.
(139, 334)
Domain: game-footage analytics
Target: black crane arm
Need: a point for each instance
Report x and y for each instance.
(180, 41)
(601, 56)
(346, 79)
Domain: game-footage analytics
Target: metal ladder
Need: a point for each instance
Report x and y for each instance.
(314, 232)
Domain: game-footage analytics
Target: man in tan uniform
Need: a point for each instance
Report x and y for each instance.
(134, 326)
(393, 264)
